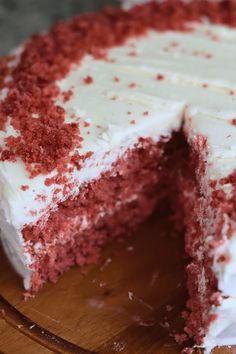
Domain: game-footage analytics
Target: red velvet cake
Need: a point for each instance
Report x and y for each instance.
(106, 116)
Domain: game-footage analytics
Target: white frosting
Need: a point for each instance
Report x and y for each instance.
(188, 62)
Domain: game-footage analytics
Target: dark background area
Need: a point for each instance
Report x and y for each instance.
(20, 18)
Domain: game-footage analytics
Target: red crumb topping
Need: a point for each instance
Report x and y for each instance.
(233, 121)
(216, 299)
(224, 258)
(146, 113)
(132, 121)
(132, 85)
(160, 77)
(204, 85)
(86, 124)
(132, 54)
(24, 187)
(129, 113)
(116, 79)
(174, 44)
(41, 198)
(88, 80)
(44, 143)
(181, 338)
(67, 95)
(212, 317)
(213, 183)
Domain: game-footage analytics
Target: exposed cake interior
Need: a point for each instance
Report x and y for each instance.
(110, 206)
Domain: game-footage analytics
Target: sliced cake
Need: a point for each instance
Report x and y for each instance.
(106, 116)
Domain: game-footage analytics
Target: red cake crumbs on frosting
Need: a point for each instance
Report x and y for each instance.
(24, 187)
(132, 85)
(88, 80)
(41, 198)
(67, 95)
(174, 44)
(46, 141)
(132, 54)
(116, 79)
(233, 121)
(209, 56)
(86, 124)
(160, 77)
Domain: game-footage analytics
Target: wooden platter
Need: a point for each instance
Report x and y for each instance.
(129, 303)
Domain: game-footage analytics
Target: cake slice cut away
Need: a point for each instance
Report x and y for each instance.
(105, 117)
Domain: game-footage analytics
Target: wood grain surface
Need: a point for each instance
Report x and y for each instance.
(129, 303)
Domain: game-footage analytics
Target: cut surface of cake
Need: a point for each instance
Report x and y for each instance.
(105, 117)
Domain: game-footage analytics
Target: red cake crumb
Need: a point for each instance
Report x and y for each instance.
(132, 121)
(132, 54)
(41, 198)
(88, 80)
(24, 187)
(233, 121)
(181, 338)
(86, 124)
(28, 295)
(67, 95)
(213, 183)
(174, 44)
(146, 113)
(116, 79)
(216, 298)
(224, 258)
(205, 85)
(212, 317)
(132, 85)
(160, 77)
